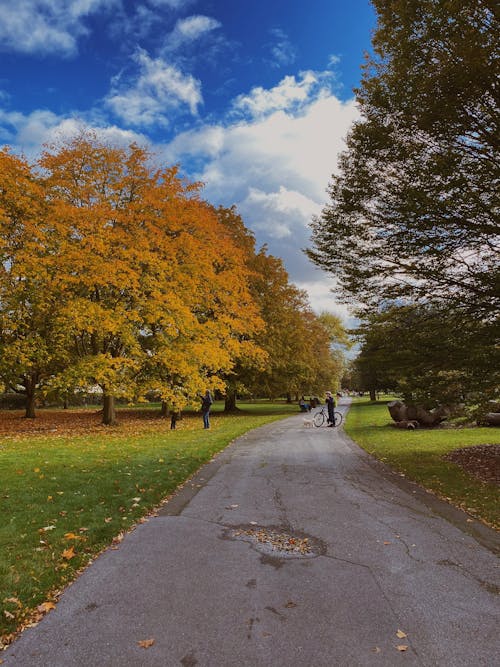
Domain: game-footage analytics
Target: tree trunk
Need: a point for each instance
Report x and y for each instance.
(164, 409)
(29, 383)
(288, 397)
(108, 410)
(230, 402)
(373, 395)
(30, 404)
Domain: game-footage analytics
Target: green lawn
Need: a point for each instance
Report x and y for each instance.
(64, 497)
(419, 455)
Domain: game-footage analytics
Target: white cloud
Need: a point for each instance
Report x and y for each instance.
(159, 89)
(334, 60)
(46, 26)
(289, 95)
(275, 165)
(282, 50)
(189, 30)
(173, 4)
(27, 133)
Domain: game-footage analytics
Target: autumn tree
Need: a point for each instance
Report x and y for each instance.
(155, 292)
(33, 345)
(297, 341)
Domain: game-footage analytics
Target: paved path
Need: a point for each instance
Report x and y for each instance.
(383, 557)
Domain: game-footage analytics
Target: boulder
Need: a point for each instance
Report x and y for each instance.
(399, 412)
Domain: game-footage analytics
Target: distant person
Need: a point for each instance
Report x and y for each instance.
(304, 406)
(330, 404)
(206, 404)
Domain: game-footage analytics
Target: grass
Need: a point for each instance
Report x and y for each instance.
(69, 488)
(419, 455)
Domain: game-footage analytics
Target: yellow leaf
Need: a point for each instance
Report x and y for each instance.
(45, 607)
(401, 634)
(68, 553)
(146, 643)
(71, 536)
(402, 647)
(36, 469)
(8, 614)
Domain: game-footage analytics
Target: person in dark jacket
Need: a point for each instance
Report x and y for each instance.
(206, 404)
(330, 404)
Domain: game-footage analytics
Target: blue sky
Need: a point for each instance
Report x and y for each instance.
(253, 98)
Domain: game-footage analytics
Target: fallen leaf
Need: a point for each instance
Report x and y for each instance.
(401, 634)
(71, 536)
(376, 649)
(290, 604)
(402, 647)
(8, 615)
(146, 643)
(36, 469)
(108, 519)
(68, 553)
(45, 607)
(15, 601)
(386, 542)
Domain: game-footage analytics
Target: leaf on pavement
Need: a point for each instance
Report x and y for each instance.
(146, 643)
(401, 634)
(45, 607)
(402, 647)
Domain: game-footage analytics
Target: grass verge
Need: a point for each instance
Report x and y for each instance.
(419, 455)
(70, 487)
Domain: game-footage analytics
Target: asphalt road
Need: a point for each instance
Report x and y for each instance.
(293, 548)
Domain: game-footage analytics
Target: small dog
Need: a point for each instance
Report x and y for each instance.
(405, 423)
(308, 423)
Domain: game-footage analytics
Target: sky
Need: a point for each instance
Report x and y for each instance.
(253, 98)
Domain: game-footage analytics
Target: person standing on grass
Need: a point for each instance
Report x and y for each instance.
(330, 404)
(206, 404)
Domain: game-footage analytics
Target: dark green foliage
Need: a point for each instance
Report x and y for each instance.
(411, 232)
(414, 209)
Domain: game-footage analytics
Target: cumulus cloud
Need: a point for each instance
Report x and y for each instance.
(158, 90)
(26, 133)
(274, 161)
(189, 30)
(46, 26)
(290, 95)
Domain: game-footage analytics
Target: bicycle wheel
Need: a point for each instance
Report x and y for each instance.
(338, 418)
(319, 418)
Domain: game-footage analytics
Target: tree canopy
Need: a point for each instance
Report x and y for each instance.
(116, 274)
(411, 230)
(414, 208)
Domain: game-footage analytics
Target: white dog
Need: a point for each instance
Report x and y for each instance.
(308, 423)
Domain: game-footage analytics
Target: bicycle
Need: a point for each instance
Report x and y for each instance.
(322, 415)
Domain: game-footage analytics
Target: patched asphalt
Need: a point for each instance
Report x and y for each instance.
(292, 548)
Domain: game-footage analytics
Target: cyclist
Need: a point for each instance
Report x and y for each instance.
(330, 404)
